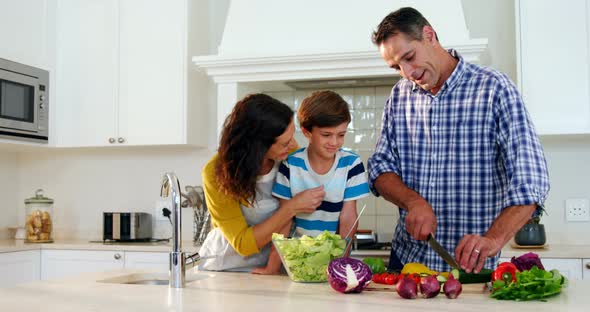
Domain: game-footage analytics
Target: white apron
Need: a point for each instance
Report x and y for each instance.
(227, 259)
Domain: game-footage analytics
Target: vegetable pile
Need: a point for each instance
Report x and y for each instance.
(524, 278)
(416, 277)
(306, 259)
(348, 275)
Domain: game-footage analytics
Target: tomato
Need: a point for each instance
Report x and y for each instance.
(396, 277)
(506, 272)
(415, 277)
(390, 279)
(377, 278)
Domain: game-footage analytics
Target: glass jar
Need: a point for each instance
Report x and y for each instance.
(39, 218)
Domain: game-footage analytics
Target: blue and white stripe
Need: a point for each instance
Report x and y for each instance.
(345, 181)
(470, 151)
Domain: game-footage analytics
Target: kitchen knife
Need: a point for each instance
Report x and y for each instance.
(442, 252)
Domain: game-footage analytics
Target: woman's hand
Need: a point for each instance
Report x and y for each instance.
(307, 201)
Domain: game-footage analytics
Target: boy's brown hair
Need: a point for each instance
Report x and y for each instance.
(323, 109)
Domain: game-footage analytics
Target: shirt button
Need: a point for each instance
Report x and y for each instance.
(431, 184)
(434, 155)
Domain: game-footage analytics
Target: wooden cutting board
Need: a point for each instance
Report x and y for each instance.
(467, 288)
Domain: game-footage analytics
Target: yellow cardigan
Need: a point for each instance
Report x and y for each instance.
(226, 213)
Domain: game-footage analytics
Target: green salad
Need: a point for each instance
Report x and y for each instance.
(307, 258)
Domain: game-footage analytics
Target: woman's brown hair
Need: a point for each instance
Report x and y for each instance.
(248, 133)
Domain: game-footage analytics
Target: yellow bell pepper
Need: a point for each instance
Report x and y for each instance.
(414, 267)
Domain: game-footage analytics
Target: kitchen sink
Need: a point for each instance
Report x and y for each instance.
(151, 278)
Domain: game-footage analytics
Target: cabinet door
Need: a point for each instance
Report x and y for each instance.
(586, 269)
(19, 267)
(86, 84)
(23, 29)
(553, 64)
(147, 260)
(570, 268)
(66, 263)
(152, 75)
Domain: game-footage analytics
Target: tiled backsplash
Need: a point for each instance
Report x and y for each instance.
(366, 107)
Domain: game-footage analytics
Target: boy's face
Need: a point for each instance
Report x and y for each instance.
(326, 141)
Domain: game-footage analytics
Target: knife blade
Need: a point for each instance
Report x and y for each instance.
(442, 252)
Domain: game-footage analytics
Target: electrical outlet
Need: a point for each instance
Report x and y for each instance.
(159, 205)
(577, 209)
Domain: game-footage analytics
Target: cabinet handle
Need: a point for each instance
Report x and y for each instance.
(117, 256)
(588, 265)
(121, 140)
(111, 140)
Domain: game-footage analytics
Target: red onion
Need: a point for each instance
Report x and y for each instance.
(348, 275)
(452, 287)
(407, 288)
(429, 286)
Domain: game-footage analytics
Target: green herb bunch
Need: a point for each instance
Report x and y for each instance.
(533, 284)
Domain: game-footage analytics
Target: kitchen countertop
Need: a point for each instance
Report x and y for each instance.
(550, 251)
(19, 245)
(248, 292)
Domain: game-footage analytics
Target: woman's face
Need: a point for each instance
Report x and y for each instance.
(283, 144)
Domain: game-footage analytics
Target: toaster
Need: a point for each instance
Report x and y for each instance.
(127, 226)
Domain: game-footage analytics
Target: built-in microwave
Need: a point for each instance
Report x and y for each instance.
(24, 99)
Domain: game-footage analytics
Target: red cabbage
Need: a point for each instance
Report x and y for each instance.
(348, 275)
(527, 261)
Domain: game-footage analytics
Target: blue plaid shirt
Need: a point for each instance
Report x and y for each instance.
(471, 150)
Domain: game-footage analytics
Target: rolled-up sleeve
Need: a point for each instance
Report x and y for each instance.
(524, 160)
(386, 156)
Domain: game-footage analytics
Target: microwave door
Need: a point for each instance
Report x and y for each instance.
(19, 102)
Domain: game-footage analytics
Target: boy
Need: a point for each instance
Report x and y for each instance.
(324, 118)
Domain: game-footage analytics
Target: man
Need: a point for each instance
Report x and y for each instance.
(458, 152)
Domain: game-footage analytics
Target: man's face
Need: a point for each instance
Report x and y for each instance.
(413, 59)
(326, 141)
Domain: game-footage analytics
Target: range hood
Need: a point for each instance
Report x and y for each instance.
(271, 45)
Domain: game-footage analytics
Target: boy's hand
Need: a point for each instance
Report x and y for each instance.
(309, 200)
(266, 271)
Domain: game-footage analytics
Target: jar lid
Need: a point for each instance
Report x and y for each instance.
(39, 198)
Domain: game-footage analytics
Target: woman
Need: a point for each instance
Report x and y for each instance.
(238, 183)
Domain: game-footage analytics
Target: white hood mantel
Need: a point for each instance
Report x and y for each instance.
(298, 40)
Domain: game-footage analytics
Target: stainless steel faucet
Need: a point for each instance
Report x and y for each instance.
(179, 260)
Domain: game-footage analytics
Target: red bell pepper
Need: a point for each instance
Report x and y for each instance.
(506, 272)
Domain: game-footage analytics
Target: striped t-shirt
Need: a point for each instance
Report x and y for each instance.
(345, 181)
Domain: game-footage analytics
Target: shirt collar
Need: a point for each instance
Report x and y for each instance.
(453, 78)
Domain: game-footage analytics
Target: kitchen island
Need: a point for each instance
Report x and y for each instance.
(217, 291)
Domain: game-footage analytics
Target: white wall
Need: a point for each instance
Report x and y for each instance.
(87, 182)
(9, 203)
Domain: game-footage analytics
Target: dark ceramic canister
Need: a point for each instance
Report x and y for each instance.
(531, 234)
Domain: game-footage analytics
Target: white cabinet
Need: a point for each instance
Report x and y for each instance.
(24, 31)
(147, 260)
(570, 268)
(122, 74)
(19, 267)
(553, 64)
(586, 269)
(66, 263)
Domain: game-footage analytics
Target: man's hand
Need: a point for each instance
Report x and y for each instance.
(420, 220)
(308, 201)
(473, 250)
